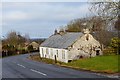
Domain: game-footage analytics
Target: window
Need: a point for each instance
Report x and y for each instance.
(46, 50)
(63, 54)
(97, 52)
(57, 52)
(51, 52)
(42, 52)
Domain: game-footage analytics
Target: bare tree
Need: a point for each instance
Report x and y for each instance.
(106, 10)
(109, 12)
(27, 37)
(94, 23)
(117, 23)
(15, 39)
(12, 38)
(104, 36)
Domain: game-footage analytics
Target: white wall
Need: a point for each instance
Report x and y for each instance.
(61, 54)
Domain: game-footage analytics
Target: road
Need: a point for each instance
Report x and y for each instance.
(21, 67)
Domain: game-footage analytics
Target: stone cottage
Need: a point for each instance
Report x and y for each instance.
(35, 45)
(67, 46)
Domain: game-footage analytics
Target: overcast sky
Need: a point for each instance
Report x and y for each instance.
(40, 19)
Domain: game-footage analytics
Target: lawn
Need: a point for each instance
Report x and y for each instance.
(106, 64)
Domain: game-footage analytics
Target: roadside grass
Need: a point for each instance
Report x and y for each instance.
(36, 57)
(107, 64)
(103, 64)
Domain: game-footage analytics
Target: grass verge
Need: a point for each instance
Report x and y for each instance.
(102, 64)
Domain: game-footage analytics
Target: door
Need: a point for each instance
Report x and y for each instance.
(97, 52)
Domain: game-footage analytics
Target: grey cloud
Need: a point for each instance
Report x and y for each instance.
(40, 17)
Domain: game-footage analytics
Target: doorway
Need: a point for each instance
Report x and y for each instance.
(97, 52)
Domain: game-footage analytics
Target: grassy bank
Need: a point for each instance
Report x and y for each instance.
(107, 64)
(104, 64)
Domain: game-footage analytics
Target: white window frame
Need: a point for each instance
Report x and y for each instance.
(63, 54)
(47, 51)
(51, 52)
(57, 53)
(42, 52)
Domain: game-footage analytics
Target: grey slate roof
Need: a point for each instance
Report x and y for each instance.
(61, 41)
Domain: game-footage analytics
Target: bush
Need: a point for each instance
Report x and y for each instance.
(30, 48)
(115, 44)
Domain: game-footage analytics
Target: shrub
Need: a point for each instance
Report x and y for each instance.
(30, 48)
(115, 43)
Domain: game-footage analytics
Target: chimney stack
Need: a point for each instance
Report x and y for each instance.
(86, 31)
(55, 32)
(62, 32)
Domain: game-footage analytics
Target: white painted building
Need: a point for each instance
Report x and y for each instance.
(66, 46)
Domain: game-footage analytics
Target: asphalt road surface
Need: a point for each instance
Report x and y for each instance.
(21, 67)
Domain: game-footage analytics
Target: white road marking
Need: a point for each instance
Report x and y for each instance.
(38, 72)
(21, 65)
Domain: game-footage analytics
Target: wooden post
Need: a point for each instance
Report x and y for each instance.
(55, 59)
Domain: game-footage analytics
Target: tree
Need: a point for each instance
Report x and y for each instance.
(30, 48)
(15, 39)
(27, 37)
(108, 11)
(117, 24)
(94, 23)
(76, 25)
(115, 42)
(13, 42)
(0, 46)
(104, 37)
(12, 38)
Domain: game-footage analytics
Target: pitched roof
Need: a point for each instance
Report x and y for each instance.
(34, 44)
(61, 41)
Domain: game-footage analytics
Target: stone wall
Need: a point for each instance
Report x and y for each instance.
(86, 46)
